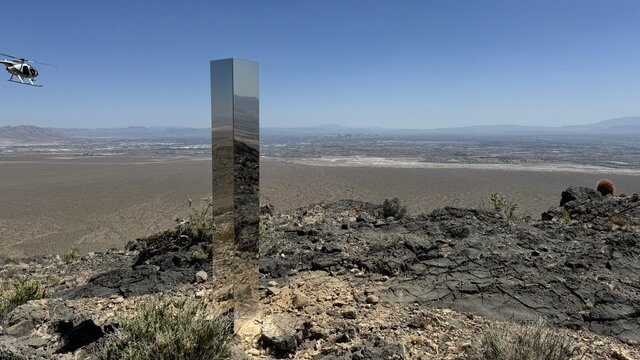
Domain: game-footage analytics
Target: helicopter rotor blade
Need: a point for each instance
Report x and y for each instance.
(11, 56)
(41, 63)
(23, 60)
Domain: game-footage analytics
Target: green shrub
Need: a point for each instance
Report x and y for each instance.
(165, 329)
(200, 221)
(618, 219)
(21, 291)
(507, 209)
(392, 208)
(198, 255)
(533, 342)
(73, 254)
(198, 225)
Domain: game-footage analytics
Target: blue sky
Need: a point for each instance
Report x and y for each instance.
(396, 64)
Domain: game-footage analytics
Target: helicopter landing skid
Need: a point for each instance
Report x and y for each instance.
(24, 83)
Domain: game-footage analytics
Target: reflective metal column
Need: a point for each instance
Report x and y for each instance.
(236, 172)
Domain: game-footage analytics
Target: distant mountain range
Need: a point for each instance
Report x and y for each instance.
(138, 132)
(617, 126)
(28, 133)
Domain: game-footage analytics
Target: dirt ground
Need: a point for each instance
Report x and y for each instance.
(51, 205)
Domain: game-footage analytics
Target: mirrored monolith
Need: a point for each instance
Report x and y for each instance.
(235, 166)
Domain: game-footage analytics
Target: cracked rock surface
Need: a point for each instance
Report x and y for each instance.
(577, 268)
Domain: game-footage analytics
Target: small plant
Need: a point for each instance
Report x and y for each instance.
(506, 209)
(198, 255)
(605, 187)
(392, 208)
(166, 329)
(200, 221)
(71, 255)
(618, 219)
(533, 342)
(199, 224)
(21, 291)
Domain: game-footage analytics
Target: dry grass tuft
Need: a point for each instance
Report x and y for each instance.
(166, 329)
(21, 291)
(532, 342)
(71, 255)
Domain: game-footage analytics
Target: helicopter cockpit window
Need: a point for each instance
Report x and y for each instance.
(25, 70)
(33, 71)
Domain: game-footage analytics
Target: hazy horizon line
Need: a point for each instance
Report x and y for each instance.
(334, 125)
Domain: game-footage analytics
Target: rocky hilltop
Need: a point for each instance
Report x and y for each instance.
(348, 280)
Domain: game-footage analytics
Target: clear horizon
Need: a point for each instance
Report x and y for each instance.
(413, 65)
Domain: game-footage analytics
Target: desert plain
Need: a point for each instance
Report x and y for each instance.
(55, 203)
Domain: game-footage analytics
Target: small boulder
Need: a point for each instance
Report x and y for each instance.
(201, 276)
(283, 332)
(273, 290)
(579, 193)
(299, 300)
(372, 299)
(350, 314)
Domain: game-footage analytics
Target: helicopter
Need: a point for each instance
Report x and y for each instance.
(19, 67)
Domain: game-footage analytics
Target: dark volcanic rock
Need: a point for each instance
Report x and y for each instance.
(579, 194)
(578, 268)
(454, 229)
(128, 282)
(6, 354)
(370, 349)
(22, 320)
(75, 337)
(163, 262)
(23, 337)
(600, 212)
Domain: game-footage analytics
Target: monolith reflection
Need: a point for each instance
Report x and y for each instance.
(235, 165)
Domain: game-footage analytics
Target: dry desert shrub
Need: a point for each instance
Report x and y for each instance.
(166, 329)
(505, 208)
(198, 225)
(392, 208)
(20, 291)
(531, 342)
(71, 255)
(200, 221)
